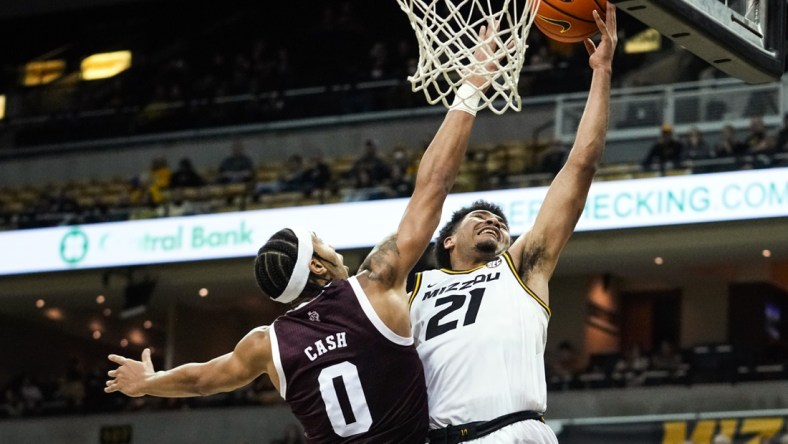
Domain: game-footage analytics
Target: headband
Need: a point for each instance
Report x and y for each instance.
(300, 275)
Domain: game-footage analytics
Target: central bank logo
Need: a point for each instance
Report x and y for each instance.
(74, 246)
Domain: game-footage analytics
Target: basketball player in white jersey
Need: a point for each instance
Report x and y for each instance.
(480, 322)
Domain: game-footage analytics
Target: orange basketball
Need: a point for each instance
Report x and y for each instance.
(569, 20)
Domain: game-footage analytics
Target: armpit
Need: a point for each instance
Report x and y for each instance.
(381, 261)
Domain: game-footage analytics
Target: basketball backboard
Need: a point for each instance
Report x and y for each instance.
(743, 38)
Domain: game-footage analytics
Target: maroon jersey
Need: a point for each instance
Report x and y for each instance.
(346, 376)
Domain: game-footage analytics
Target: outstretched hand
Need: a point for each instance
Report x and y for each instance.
(129, 377)
(601, 56)
(485, 57)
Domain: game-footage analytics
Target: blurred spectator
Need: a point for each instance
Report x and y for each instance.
(177, 205)
(370, 169)
(160, 174)
(11, 405)
(631, 368)
(185, 175)
(729, 145)
(293, 178)
(32, 396)
(667, 358)
(71, 387)
(368, 175)
(695, 146)
(317, 177)
(667, 151)
(759, 144)
(566, 364)
(401, 185)
(236, 168)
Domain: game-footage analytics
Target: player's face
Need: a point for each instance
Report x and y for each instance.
(332, 260)
(484, 231)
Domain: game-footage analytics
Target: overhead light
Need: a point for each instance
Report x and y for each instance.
(54, 314)
(105, 65)
(43, 71)
(645, 41)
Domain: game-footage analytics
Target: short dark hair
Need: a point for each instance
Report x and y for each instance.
(274, 265)
(441, 253)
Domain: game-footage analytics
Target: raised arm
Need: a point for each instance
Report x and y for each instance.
(536, 252)
(390, 262)
(250, 358)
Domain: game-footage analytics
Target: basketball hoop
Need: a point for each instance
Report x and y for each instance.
(447, 34)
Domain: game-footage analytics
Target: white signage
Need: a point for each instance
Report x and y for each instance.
(610, 205)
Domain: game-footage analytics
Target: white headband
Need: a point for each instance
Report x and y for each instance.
(300, 274)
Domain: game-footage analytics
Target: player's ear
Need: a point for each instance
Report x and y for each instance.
(316, 267)
(449, 242)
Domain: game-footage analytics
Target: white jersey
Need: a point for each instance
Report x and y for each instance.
(481, 336)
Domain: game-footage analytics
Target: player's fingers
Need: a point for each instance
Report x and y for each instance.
(600, 23)
(117, 359)
(112, 373)
(610, 15)
(590, 47)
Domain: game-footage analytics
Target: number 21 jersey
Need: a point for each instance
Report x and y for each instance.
(481, 335)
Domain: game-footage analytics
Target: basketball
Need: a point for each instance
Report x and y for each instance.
(569, 20)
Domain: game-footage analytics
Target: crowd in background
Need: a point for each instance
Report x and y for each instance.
(236, 66)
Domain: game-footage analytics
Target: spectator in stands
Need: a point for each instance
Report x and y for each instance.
(238, 167)
(32, 396)
(729, 145)
(759, 144)
(566, 364)
(160, 174)
(669, 360)
(186, 175)
(631, 368)
(293, 178)
(317, 177)
(401, 185)
(71, 387)
(667, 151)
(695, 146)
(11, 405)
(369, 175)
(177, 205)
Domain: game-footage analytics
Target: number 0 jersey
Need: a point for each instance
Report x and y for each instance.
(481, 336)
(346, 376)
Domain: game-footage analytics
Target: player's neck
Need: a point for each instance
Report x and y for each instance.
(467, 262)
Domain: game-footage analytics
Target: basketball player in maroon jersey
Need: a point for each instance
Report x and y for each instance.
(343, 357)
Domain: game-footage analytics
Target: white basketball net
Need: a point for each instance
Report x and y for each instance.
(447, 32)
